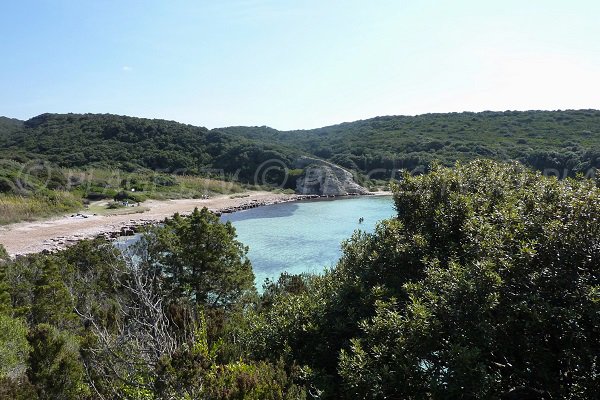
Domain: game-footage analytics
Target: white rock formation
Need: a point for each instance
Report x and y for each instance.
(326, 179)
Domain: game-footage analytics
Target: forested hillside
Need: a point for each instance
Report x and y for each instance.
(54, 164)
(129, 144)
(560, 140)
(540, 139)
(9, 125)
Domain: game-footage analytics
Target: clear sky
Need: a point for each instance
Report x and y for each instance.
(296, 64)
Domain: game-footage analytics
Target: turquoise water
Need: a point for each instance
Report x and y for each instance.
(304, 236)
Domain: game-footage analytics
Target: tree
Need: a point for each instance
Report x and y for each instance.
(5, 297)
(55, 367)
(3, 254)
(199, 260)
(52, 301)
(14, 347)
(508, 301)
(194, 372)
(90, 271)
(122, 351)
(159, 291)
(485, 285)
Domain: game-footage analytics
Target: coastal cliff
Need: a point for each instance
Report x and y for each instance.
(325, 179)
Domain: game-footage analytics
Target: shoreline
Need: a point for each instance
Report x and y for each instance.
(60, 232)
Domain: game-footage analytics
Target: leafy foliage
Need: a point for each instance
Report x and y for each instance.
(564, 142)
(9, 125)
(198, 259)
(3, 254)
(14, 348)
(110, 155)
(127, 143)
(54, 364)
(486, 284)
(553, 140)
(149, 323)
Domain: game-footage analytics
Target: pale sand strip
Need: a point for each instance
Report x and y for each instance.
(33, 237)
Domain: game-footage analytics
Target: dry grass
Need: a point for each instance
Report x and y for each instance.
(196, 186)
(15, 208)
(66, 195)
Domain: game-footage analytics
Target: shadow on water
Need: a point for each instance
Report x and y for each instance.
(305, 236)
(274, 211)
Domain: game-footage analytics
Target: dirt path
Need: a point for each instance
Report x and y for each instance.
(33, 237)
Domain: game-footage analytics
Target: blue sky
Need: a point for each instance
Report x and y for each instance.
(296, 64)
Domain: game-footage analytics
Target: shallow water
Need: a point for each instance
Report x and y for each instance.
(304, 236)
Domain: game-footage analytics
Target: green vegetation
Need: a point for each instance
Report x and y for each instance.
(540, 139)
(19, 208)
(28, 192)
(130, 144)
(486, 286)
(35, 190)
(121, 158)
(9, 125)
(88, 323)
(199, 260)
(559, 140)
(109, 155)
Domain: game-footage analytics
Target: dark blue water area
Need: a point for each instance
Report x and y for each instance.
(304, 236)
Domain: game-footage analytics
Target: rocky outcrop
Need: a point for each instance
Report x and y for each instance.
(257, 203)
(325, 179)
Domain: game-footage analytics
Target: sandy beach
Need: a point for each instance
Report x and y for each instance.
(56, 233)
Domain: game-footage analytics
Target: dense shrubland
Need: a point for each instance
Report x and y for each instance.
(486, 285)
(89, 322)
(131, 144)
(556, 140)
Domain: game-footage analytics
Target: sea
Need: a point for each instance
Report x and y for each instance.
(304, 236)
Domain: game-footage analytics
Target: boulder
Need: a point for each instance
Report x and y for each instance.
(325, 179)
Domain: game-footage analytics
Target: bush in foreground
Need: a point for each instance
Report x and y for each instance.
(486, 285)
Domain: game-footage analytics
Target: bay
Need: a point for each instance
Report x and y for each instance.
(304, 236)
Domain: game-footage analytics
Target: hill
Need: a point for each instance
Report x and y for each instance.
(567, 142)
(128, 143)
(9, 125)
(540, 139)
